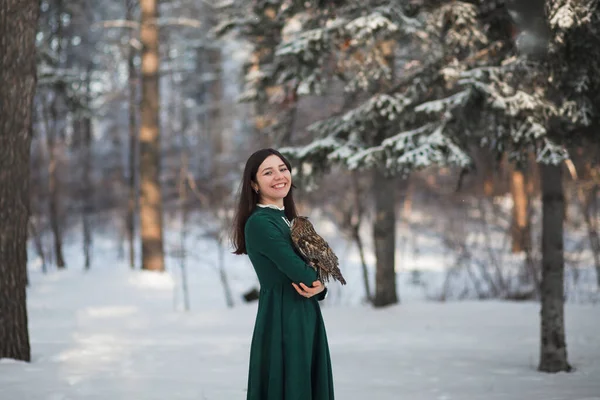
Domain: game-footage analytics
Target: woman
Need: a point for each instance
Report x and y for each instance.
(289, 356)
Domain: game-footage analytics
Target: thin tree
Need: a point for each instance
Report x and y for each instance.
(18, 22)
(150, 191)
(133, 139)
(87, 194)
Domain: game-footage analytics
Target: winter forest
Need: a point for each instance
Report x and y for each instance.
(448, 151)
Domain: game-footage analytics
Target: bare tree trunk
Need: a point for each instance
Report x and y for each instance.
(183, 210)
(88, 200)
(51, 120)
(132, 200)
(520, 228)
(223, 274)
(151, 198)
(553, 344)
(215, 89)
(359, 209)
(384, 234)
(18, 22)
(53, 189)
(37, 243)
(213, 123)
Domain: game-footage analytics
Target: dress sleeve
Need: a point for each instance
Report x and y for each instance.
(264, 235)
(323, 295)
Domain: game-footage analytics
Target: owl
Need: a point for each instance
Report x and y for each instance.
(315, 250)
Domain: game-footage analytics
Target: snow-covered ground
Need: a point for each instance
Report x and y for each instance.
(116, 334)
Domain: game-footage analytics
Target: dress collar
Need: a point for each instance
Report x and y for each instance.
(273, 206)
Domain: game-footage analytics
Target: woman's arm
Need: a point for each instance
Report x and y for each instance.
(264, 235)
(317, 290)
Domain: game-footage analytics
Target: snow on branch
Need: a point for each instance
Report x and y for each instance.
(305, 45)
(320, 147)
(551, 153)
(378, 111)
(528, 131)
(365, 27)
(414, 149)
(366, 158)
(446, 104)
(514, 104)
(563, 18)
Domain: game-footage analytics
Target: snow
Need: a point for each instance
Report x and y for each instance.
(450, 102)
(564, 18)
(365, 27)
(113, 333)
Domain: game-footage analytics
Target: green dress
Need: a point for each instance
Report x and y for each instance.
(289, 356)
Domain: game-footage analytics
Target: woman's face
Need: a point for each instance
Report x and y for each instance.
(273, 180)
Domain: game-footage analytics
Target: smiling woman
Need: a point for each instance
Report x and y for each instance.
(289, 356)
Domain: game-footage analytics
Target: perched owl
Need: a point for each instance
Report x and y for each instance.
(315, 250)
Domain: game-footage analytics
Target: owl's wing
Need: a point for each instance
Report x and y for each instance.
(300, 247)
(312, 246)
(323, 257)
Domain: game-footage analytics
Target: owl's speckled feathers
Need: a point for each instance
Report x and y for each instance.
(315, 250)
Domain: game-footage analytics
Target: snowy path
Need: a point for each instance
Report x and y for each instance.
(114, 336)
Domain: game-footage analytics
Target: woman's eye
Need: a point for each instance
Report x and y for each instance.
(283, 170)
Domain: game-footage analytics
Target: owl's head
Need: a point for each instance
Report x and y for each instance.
(299, 222)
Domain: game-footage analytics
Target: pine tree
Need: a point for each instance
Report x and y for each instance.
(398, 65)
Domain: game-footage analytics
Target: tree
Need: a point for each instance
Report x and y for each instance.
(548, 98)
(150, 192)
(132, 100)
(18, 23)
(520, 226)
(371, 48)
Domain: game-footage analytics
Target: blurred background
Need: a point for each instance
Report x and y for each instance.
(446, 150)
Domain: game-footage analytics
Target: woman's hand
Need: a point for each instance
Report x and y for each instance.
(303, 290)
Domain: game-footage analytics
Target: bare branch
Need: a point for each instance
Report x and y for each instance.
(117, 23)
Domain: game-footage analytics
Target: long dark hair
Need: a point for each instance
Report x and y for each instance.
(248, 198)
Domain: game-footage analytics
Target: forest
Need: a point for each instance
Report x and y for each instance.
(447, 150)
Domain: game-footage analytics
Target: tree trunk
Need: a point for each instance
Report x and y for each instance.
(553, 344)
(365, 271)
(151, 198)
(384, 234)
(223, 274)
(520, 228)
(132, 200)
(18, 23)
(183, 210)
(37, 243)
(355, 227)
(589, 209)
(592, 210)
(53, 189)
(88, 200)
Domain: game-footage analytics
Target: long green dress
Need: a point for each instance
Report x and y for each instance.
(289, 356)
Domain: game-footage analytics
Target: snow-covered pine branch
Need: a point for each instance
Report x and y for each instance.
(446, 104)
(306, 57)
